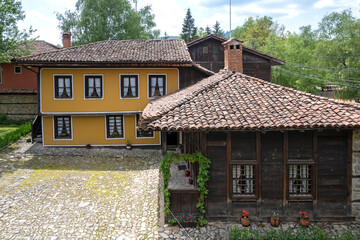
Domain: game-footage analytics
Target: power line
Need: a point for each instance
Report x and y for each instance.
(324, 67)
(295, 55)
(289, 73)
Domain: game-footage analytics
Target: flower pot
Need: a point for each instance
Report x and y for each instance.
(191, 181)
(304, 222)
(88, 146)
(275, 222)
(245, 222)
(128, 147)
(187, 173)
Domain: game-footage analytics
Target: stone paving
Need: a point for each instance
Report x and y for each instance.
(77, 197)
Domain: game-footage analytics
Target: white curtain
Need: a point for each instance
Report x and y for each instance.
(60, 126)
(249, 178)
(292, 175)
(133, 86)
(161, 86)
(98, 86)
(153, 86)
(60, 86)
(303, 173)
(67, 86)
(91, 86)
(126, 86)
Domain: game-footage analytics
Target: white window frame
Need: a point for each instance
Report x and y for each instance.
(71, 129)
(106, 127)
(138, 85)
(18, 72)
(102, 86)
(136, 128)
(72, 86)
(148, 84)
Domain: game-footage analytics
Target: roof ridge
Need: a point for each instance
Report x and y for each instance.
(343, 102)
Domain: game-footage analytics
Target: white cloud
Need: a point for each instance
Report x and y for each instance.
(324, 4)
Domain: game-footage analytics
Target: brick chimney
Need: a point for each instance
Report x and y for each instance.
(233, 55)
(66, 39)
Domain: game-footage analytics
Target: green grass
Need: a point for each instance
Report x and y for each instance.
(12, 130)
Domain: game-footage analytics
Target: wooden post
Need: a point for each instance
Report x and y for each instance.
(258, 179)
(349, 172)
(163, 143)
(228, 159)
(315, 173)
(285, 173)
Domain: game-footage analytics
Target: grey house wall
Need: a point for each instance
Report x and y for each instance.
(18, 106)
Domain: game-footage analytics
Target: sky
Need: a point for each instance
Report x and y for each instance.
(169, 14)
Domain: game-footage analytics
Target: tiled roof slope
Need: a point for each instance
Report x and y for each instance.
(41, 46)
(118, 51)
(235, 101)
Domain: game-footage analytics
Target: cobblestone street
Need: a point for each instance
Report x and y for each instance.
(78, 197)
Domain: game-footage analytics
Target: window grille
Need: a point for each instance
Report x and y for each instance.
(62, 127)
(115, 126)
(142, 133)
(243, 179)
(300, 180)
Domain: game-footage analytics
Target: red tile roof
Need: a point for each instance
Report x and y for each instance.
(118, 51)
(41, 46)
(235, 101)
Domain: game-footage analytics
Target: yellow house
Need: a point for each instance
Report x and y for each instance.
(95, 93)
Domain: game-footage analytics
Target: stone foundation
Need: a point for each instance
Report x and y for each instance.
(18, 106)
(355, 205)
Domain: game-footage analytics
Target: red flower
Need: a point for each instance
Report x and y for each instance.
(304, 212)
(305, 216)
(300, 212)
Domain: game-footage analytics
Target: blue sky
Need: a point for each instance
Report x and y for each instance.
(169, 14)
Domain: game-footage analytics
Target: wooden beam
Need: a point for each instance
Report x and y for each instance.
(258, 172)
(203, 143)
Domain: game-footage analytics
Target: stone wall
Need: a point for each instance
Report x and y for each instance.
(355, 205)
(18, 106)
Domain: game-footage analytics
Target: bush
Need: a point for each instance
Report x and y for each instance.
(302, 234)
(16, 134)
(5, 121)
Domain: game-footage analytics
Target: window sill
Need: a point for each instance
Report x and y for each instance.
(301, 198)
(251, 198)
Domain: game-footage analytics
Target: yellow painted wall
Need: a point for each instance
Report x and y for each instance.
(111, 84)
(91, 130)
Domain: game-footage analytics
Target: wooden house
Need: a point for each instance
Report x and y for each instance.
(272, 148)
(208, 51)
(18, 85)
(93, 93)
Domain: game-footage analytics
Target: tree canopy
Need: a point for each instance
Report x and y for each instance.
(97, 20)
(189, 31)
(217, 30)
(13, 42)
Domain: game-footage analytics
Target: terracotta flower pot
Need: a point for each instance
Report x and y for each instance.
(187, 173)
(304, 222)
(245, 222)
(275, 222)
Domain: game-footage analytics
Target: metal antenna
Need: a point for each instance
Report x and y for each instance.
(230, 18)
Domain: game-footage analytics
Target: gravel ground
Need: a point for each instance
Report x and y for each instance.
(87, 196)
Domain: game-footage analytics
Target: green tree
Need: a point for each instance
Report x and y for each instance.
(13, 42)
(97, 20)
(254, 32)
(189, 31)
(217, 30)
(201, 32)
(207, 30)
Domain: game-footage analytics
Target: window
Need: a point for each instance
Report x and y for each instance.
(142, 133)
(17, 70)
(114, 126)
(300, 180)
(157, 85)
(62, 126)
(93, 87)
(129, 86)
(243, 180)
(63, 86)
(300, 165)
(205, 50)
(215, 49)
(244, 165)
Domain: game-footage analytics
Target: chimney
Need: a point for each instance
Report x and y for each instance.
(66, 39)
(233, 55)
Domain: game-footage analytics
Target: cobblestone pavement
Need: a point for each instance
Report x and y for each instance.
(219, 230)
(77, 197)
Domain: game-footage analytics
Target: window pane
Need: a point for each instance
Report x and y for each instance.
(114, 126)
(300, 180)
(243, 180)
(62, 127)
(142, 133)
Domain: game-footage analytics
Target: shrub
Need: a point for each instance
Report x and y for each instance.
(16, 134)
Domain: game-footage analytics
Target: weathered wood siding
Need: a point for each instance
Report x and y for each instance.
(256, 66)
(326, 151)
(209, 54)
(189, 76)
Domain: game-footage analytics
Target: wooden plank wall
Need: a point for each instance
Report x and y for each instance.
(256, 66)
(327, 150)
(189, 76)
